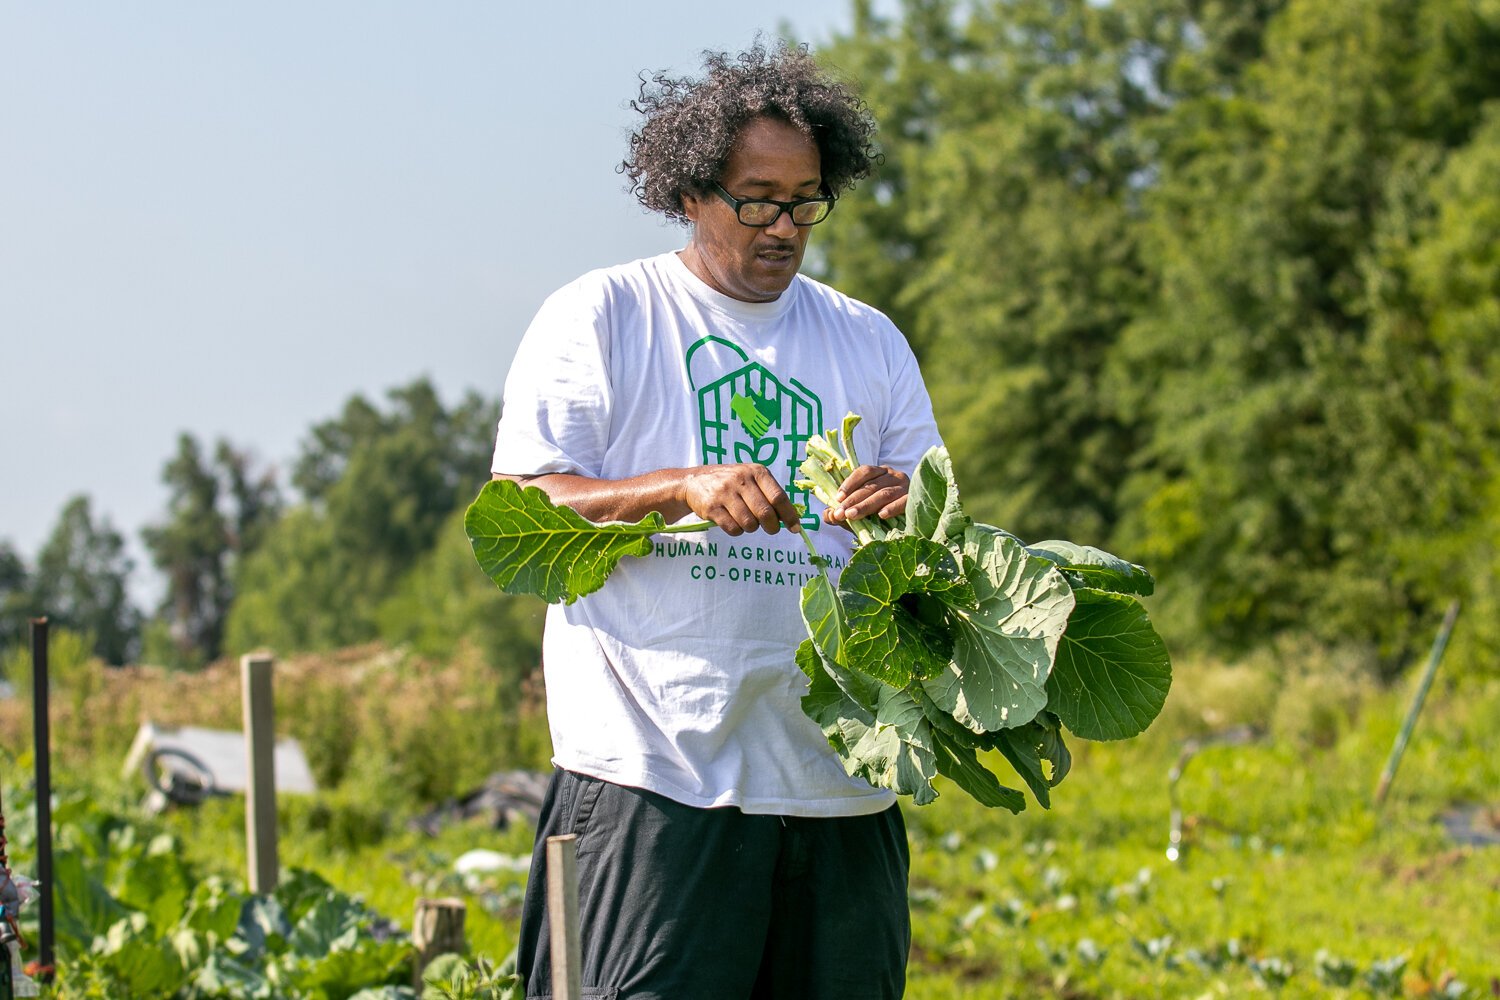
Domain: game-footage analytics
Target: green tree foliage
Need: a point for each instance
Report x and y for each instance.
(445, 602)
(15, 597)
(80, 582)
(218, 512)
(1296, 398)
(1209, 283)
(1004, 232)
(377, 487)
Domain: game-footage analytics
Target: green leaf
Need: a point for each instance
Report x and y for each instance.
(529, 545)
(263, 924)
(299, 891)
(84, 907)
(137, 959)
(885, 639)
(155, 881)
(341, 973)
(955, 748)
(1087, 566)
(932, 507)
(823, 614)
(960, 764)
(332, 924)
(826, 701)
(894, 752)
(888, 744)
(222, 975)
(214, 909)
(1004, 648)
(1027, 747)
(1112, 672)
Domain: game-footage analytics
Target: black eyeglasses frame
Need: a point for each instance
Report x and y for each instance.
(789, 207)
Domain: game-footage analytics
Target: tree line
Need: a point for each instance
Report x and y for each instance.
(1212, 284)
(369, 545)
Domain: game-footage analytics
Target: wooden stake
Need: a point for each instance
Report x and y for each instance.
(260, 792)
(562, 917)
(437, 929)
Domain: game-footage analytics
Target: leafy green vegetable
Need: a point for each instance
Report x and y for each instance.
(981, 655)
(1112, 672)
(883, 637)
(1086, 566)
(932, 508)
(1005, 645)
(942, 640)
(529, 545)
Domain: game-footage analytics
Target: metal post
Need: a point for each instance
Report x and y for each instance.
(562, 917)
(260, 789)
(1389, 774)
(43, 742)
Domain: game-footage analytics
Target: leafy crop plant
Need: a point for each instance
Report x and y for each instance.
(941, 639)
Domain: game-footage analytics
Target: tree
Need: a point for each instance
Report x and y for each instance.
(1003, 232)
(1209, 283)
(1295, 397)
(378, 485)
(80, 582)
(219, 511)
(15, 597)
(444, 602)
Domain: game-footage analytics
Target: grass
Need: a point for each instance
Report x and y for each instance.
(1292, 884)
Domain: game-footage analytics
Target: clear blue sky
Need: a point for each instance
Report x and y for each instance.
(228, 218)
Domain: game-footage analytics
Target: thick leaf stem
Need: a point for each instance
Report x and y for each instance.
(817, 560)
(678, 529)
(826, 469)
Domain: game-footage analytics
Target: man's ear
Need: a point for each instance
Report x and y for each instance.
(691, 206)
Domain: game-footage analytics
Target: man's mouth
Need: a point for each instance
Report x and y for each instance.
(777, 254)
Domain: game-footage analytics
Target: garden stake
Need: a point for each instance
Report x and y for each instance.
(43, 742)
(1433, 658)
(562, 916)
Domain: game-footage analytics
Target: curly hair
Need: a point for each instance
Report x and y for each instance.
(691, 124)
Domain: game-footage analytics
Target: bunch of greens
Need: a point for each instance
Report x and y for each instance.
(942, 639)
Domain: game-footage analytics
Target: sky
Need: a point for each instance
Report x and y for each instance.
(227, 219)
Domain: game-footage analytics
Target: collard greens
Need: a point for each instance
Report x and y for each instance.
(945, 646)
(1019, 644)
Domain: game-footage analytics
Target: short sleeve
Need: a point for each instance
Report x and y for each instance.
(558, 397)
(910, 428)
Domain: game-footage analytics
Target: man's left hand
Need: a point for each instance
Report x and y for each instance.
(870, 491)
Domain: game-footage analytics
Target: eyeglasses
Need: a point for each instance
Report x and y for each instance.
(761, 212)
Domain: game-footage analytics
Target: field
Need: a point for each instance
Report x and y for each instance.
(1290, 881)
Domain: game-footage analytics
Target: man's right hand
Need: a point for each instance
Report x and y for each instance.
(739, 498)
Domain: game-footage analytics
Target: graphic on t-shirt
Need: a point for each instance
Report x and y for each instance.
(748, 414)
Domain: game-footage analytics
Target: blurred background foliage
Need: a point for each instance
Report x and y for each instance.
(1212, 284)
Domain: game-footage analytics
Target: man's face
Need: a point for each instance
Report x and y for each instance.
(770, 159)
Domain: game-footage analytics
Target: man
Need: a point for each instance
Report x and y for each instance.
(722, 850)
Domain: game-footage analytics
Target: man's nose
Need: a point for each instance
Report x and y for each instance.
(783, 228)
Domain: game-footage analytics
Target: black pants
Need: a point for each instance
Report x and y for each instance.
(679, 903)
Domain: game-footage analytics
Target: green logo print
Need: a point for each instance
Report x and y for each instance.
(747, 414)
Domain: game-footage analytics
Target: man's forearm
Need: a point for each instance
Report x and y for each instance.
(614, 499)
(738, 498)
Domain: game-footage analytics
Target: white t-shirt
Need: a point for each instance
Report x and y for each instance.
(679, 676)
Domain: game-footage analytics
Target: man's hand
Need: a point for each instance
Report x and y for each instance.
(739, 498)
(870, 491)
